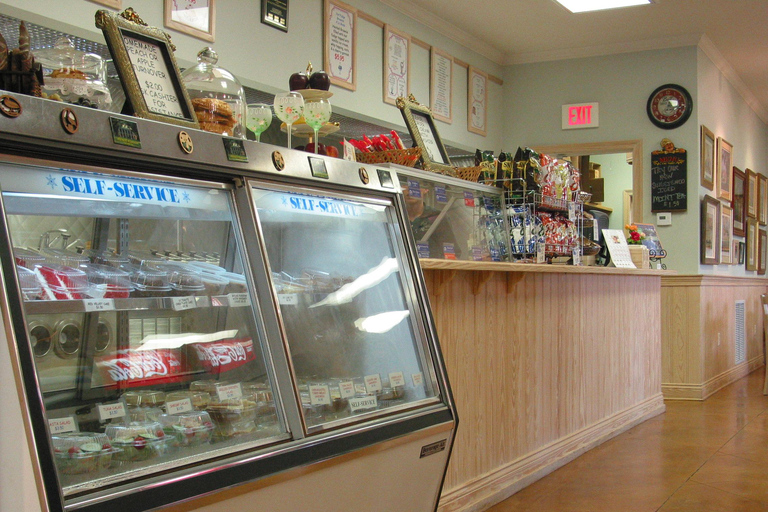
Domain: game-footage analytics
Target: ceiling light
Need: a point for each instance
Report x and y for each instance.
(576, 6)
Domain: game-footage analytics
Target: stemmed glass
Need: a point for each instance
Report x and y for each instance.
(316, 114)
(258, 119)
(289, 107)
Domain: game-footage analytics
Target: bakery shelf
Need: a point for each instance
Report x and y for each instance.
(40, 307)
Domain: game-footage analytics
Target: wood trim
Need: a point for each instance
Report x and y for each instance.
(707, 280)
(438, 264)
(419, 42)
(370, 19)
(499, 485)
(699, 392)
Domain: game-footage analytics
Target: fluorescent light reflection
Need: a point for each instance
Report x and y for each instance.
(368, 280)
(171, 341)
(381, 323)
(576, 6)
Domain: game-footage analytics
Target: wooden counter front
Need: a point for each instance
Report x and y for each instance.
(545, 362)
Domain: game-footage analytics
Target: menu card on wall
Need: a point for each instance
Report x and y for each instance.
(340, 44)
(441, 93)
(477, 107)
(618, 248)
(397, 48)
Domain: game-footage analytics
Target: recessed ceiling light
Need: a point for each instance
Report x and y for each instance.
(576, 6)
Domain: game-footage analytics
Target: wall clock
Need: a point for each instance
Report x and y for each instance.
(669, 106)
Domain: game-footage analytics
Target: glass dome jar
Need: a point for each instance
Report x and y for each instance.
(217, 96)
(74, 76)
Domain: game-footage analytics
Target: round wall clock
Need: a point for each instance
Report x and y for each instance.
(669, 106)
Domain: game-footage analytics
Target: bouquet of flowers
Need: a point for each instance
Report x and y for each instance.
(635, 237)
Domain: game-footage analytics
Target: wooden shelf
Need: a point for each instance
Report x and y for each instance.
(437, 264)
(598, 207)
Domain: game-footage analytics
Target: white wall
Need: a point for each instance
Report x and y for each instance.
(264, 57)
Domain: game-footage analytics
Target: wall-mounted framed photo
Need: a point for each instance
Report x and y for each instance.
(762, 202)
(752, 241)
(739, 203)
(707, 158)
(340, 44)
(147, 69)
(397, 62)
(195, 18)
(275, 14)
(762, 250)
(710, 231)
(752, 198)
(477, 101)
(724, 169)
(114, 4)
(726, 234)
(421, 125)
(441, 85)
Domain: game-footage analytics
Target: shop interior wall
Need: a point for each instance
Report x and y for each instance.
(723, 110)
(534, 94)
(264, 57)
(617, 174)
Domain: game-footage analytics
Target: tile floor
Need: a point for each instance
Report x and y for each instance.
(709, 456)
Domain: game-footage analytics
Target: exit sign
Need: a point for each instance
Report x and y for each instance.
(581, 115)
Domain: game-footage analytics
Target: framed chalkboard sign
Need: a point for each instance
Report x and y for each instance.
(147, 69)
(669, 179)
(421, 125)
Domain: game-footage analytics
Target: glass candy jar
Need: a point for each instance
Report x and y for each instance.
(74, 76)
(217, 96)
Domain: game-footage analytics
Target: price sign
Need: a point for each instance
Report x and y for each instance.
(183, 303)
(229, 392)
(477, 253)
(153, 76)
(347, 389)
(396, 379)
(449, 251)
(95, 305)
(414, 189)
(111, 411)
(319, 395)
(423, 249)
(372, 383)
(288, 299)
(469, 199)
(576, 256)
(363, 403)
(179, 406)
(540, 256)
(62, 425)
(238, 300)
(418, 379)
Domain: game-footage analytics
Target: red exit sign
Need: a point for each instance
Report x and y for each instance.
(581, 115)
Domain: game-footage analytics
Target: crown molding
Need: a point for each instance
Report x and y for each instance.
(710, 50)
(447, 29)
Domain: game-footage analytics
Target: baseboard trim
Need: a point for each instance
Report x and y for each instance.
(494, 487)
(706, 389)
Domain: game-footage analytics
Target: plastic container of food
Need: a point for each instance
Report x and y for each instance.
(187, 429)
(209, 386)
(150, 282)
(137, 441)
(66, 258)
(235, 416)
(199, 399)
(144, 398)
(30, 286)
(107, 282)
(111, 259)
(60, 282)
(207, 267)
(237, 283)
(214, 284)
(28, 258)
(144, 413)
(82, 452)
(142, 258)
(184, 279)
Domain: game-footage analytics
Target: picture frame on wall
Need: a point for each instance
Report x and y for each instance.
(196, 18)
(441, 85)
(710, 231)
(739, 203)
(762, 250)
(762, 203)
(707, 158)
(477, 101)
(421, 126)
(752, 198)
(275, 14)
(726, 235)
(736, 252)
(397, 62)
(724, 169)
(752, 240)
(340, 44)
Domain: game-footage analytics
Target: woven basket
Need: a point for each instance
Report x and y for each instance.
(468, 173)
(405, 157)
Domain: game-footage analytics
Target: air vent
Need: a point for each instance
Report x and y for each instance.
(740, 344)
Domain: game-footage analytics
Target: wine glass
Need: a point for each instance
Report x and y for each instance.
(316, 114)
(289, 107)
(258, 119)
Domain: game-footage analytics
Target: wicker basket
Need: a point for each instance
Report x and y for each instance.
(468, 173)
(405, 157)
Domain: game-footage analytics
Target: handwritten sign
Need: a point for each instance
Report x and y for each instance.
(340, 39)
(319, 394)
(94, 305)
(372, 383)
(441, 94)
(154, 78)
(229, 392)
(669, 182)
(347, 389)
(425, 128)
(397, 47)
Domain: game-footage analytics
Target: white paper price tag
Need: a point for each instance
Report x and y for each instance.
(396, 379)
(372, 383)
(360, 389)
(362, 403)
(349, 151)
(347, 389)
(288, 299)
(182, 303)
(229, 392)
(238, 300)
(418, 379)
(179, 406)
(576, 256)
(96, 305)
(62, 425)
(111, 411)
(540, 256)
(319, 395)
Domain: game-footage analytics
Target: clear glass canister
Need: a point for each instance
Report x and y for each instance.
(74, 76)
(217, 96)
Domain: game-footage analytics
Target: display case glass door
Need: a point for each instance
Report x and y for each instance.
(347, 304)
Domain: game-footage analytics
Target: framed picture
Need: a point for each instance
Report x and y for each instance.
(707, 158)
(736, 252)
(651, 240)
(275, 14)
(421, 126)
(724, 169)
(762, 202)
(477, 101)
(147, 69)
(115, 4)
(441, 85)
(751, 195)
(340, 44)
(397, 61)
(726, 234)
(762, 250)
(752, 234)
(195, 18)
(739, 203)
(710, 231)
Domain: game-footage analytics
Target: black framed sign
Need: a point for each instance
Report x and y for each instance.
(147, 69)
(421, 125)
(275, 13)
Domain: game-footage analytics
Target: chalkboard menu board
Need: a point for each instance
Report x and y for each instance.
(669, 170)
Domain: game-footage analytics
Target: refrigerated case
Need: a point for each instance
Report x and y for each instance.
(181, 325)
